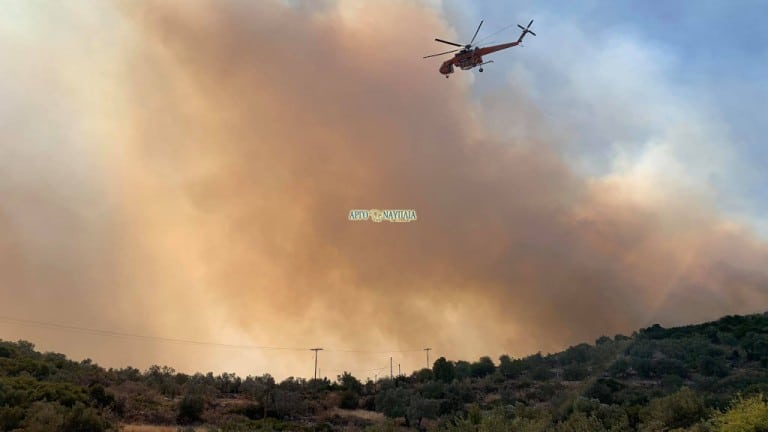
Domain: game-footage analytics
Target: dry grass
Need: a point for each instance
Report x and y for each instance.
(363, 414)
(150, 428)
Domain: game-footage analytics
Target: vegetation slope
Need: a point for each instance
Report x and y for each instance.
(705, 377)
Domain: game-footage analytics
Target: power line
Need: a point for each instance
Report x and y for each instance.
(357, 370)
(112, 333)
(373, 352)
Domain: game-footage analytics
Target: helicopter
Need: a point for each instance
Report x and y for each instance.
(469, 57)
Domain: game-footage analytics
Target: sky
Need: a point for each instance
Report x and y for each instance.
(183, 170)
(707, 58)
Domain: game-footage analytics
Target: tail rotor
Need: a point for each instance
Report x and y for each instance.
(526, 30)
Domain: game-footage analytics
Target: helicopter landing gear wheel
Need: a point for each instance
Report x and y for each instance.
(481, 69)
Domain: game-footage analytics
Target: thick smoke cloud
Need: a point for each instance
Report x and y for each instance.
(246, 132)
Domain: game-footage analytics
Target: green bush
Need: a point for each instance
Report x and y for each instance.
(744, 415)
(678, 410)
(349, 400)
(44, 417)
(84, 419)
(11, 418)
(190, 409)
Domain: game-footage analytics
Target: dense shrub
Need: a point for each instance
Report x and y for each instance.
(191, 409)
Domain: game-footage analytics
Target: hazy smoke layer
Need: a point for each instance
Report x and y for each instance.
(241, 133)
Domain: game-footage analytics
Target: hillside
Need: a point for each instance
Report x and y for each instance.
(698, 377)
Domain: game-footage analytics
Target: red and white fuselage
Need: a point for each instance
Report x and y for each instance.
(469, 58)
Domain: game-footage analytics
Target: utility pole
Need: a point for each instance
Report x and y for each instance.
(316, 350)
(427, 350)
(398, 370)
(391, 375)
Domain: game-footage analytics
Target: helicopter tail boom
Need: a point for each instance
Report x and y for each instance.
(494, 48)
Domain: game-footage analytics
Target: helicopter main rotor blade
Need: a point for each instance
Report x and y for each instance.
(450, 43)
(442, 53)
(476, 31)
